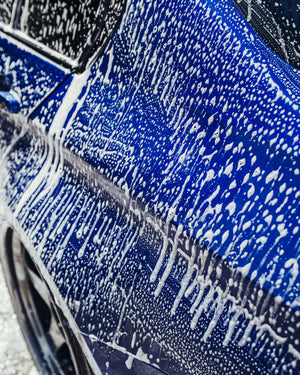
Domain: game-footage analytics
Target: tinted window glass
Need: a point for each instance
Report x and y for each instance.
(277, 23)
(6, 7)
(62, 25)
(76, 29)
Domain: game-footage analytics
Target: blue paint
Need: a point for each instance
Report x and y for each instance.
(141, 135)
(185, 132)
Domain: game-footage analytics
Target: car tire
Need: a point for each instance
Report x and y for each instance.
(51, 341)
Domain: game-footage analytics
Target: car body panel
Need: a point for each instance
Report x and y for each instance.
(245, 165)
(113, 243)
(160, 190)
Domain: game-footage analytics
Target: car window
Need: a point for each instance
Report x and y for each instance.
(62, 25)
(70, 31)
(6, 10)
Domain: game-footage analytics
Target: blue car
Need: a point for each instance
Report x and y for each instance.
(150, 184)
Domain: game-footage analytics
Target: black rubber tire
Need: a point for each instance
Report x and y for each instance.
(54, 347)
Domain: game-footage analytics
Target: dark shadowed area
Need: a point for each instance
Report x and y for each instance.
(14, 356)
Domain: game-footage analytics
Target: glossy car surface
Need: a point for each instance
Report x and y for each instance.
(150, 185)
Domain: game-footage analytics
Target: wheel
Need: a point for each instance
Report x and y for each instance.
(53, 346)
